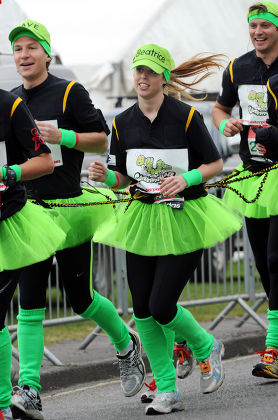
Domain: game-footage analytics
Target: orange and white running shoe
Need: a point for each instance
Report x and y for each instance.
(268, 367)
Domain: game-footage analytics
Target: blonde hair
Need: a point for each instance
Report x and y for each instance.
(199, 66)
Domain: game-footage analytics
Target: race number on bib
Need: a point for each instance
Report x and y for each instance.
(3, 160)
(55, 148)
(148, 166)
(253, 102)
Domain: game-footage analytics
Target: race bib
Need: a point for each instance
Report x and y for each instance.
(148, 166)
(55, 148)
(252, 144)
(3, 160)
(253, 102)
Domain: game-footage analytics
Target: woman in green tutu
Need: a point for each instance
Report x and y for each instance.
(161, 146)
(28, 235)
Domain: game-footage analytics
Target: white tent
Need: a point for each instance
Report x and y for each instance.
(10, 15)
(82, 30)
(185, 27)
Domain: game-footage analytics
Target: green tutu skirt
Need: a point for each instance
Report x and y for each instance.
(29, 236)
(84, 219)
(256, 190)
(157, 229)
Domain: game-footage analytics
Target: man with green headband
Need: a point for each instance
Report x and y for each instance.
(244, 82)
(71, 125)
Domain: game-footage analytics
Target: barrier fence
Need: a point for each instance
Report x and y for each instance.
(226, 274)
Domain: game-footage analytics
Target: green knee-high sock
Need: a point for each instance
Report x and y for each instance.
(197, 338)
(272, 331)
(30, 346)
(104, 314)
(154, 342)
(5, 368)
(170, 339)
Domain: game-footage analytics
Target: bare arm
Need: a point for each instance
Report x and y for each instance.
(175, 184)
(93, 142)
(220, 113)
(36, 167)
(98, 172)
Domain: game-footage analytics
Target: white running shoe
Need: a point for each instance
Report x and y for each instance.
(165, 402)
(149, 395)
(185, 360)
(212, 370)
(132, 368)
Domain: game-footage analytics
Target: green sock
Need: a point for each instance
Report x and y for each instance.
(104, 314)
(170, 339)
(5, 368)
(272, 331)
(30, 346)
(197, 338)
(154, 342)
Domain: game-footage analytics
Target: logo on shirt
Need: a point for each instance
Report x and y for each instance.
(153, 173)
(37, 138)
(258, 105)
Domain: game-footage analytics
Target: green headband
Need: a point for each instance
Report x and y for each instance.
(271, 15)
(266, 16)
(43, 43)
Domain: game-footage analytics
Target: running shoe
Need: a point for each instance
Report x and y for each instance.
(149, 395)
(6, 414)
(25, 402)
(212, 370)
(132, 368)
(165, 402)
(268, 367)
(185, 360)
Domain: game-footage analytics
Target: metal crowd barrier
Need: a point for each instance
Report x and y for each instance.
(226, 274)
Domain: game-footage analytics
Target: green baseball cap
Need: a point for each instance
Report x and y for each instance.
(34, 30)
(155, 57)
(271, 15)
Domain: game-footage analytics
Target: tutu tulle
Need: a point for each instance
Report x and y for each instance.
(29, 236)
(250, 188)
(84, 220)
(268, 196)
(157, 229)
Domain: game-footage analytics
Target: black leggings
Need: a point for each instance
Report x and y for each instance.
(156, 283)
(263, 237)
(8, 283)
(74, 266)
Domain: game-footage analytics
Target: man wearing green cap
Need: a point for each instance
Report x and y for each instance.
(244, 81)
(71, 125)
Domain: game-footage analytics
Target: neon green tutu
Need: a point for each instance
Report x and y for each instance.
(249, 189)
(84, 220)
(29, 236)
(157, 229)
(268, 196)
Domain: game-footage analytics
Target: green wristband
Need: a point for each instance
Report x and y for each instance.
(222, 126)
(3, 171)
(110, 179)
(193, 177)
(68, 138)
(17, 170)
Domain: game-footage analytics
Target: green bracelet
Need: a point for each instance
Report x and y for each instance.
(222, 126)
(68, 138)
(17, 170)
(3, 171)
(110, 179)
(193, 177)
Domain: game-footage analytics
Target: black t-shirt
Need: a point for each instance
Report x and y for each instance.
(178, 133)
(19, 141)
(46, 104)
(244, 82)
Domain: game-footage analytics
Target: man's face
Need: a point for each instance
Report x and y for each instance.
(264, 36)
(30, 59)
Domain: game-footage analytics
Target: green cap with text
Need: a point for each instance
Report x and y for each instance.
(271, 14)
(155, 57)
(34, 30)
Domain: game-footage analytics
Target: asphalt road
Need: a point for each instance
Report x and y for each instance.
(241, 397)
